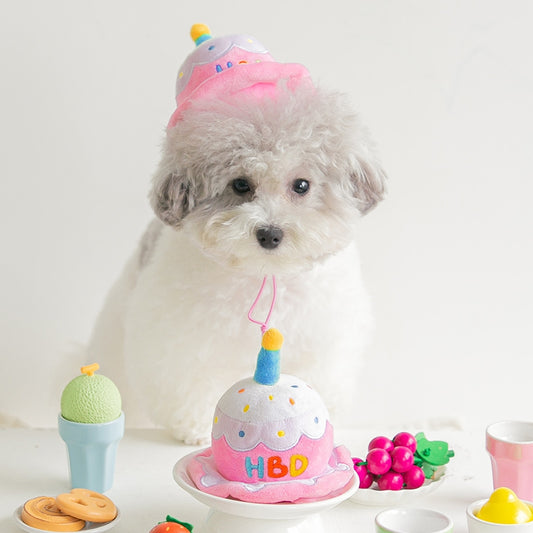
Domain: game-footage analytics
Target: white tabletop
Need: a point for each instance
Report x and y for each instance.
(34, 463)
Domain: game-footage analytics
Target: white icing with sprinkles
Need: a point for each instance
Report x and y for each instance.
(214, 49)
(276, 415)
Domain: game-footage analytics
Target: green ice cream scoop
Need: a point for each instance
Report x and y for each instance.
(91, 398)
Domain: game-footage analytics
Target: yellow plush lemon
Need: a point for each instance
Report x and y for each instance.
(504, 507)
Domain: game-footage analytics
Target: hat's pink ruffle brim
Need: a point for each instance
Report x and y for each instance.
(336, 478)
(257, 79)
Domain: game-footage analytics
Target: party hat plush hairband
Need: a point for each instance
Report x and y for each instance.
(235, 64)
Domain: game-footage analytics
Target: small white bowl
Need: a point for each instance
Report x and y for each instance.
(413, 520)
(475, 525)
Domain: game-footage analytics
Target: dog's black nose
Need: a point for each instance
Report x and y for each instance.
(270, 237)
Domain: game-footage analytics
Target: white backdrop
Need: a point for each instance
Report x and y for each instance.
(446, 87)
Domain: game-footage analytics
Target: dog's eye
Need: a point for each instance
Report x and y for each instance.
(300, 186)
(241, 185)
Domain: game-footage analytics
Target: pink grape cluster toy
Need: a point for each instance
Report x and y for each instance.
(390, 463)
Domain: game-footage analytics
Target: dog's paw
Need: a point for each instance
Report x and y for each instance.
(191, 438)
(197, 441)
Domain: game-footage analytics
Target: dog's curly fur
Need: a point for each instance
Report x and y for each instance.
(175, 323)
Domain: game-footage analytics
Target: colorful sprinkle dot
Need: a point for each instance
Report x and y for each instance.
(218, 68)
(180, 75)
(294, 386)
(316, 419)
(246, 407)
(240, 391)
(216, 419)
(241, 433)
(243, 62)
(212, 47)
(292, 402)
(271, 397)
(281, 433)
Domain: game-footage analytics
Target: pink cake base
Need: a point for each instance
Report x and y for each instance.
(315, 452)
(333, 481)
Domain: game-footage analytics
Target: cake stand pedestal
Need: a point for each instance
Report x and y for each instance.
(218, 522)
(233, 516)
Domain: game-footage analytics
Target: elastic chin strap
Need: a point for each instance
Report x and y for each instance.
(264, 325)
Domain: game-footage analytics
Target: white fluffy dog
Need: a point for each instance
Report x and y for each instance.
(245, 188)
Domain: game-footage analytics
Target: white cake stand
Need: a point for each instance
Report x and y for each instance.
(233, 516)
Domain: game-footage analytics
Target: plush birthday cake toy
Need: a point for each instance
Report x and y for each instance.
(271, 440)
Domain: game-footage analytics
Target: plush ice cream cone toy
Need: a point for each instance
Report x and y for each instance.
(91, 423)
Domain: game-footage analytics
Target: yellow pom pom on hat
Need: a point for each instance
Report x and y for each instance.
(200, 33)
(272, 339)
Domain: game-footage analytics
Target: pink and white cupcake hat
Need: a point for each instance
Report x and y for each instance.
(235, 64)
(271, 440)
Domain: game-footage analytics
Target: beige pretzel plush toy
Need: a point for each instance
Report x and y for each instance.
(43, 513)
(69, 511)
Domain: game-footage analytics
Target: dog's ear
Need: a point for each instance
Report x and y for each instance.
(170, 198)
(368, 179)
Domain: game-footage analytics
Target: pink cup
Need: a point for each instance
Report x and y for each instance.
(510, 446)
